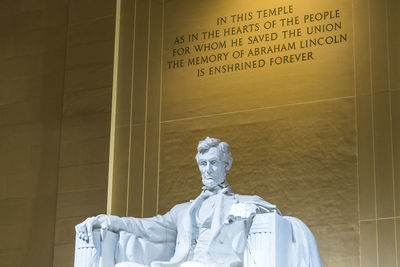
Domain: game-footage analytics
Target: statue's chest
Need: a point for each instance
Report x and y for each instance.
(205, 213)
(207, 210)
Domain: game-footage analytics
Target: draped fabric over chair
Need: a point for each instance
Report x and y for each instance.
(273, 241)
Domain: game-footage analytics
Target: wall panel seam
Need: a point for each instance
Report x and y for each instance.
(379, 219)
(356, 124)
(145, 107)
(391, 131)
(259, 109)
(373, 130)
(61, 128)
(131, 113)
(160, 106)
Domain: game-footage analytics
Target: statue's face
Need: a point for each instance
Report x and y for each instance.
(211, 167)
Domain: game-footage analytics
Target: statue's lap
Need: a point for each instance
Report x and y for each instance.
(185, 264)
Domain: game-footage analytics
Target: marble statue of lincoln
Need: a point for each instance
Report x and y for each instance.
(212, 229)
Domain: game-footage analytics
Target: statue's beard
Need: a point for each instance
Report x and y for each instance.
(211, 183)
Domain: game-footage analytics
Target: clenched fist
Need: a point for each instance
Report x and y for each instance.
(84, 230)
(242, 211)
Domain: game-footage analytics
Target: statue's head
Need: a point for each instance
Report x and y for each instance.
(214, 160)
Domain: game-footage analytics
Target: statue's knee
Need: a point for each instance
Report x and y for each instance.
(192, 264)
(129, 264)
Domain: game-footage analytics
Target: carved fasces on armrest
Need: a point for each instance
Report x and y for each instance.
(106, 248)
(98, 252)
(277, 241)
(269, 241)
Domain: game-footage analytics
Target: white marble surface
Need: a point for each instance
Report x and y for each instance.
(218, 228)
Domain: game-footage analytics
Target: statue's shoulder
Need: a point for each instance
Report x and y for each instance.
(179, 208)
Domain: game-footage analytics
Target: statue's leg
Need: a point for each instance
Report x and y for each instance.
(198, 264)
(193, 264)
(129, 264)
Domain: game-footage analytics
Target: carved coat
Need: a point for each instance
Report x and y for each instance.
(160, 237)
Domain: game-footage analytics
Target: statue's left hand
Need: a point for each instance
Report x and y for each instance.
(84, 230)
(241, 211)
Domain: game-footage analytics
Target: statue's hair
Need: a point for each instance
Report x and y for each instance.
(206, 144)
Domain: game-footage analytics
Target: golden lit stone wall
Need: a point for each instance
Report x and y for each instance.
(291, 126)
(86, 119)
(135, 124)
(32, 57)
(315, 133)
(55, 101)
(378, 102)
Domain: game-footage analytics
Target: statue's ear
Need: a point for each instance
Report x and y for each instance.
(228, 165)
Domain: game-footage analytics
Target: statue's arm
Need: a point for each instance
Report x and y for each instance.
(248, 206)
(160, 228)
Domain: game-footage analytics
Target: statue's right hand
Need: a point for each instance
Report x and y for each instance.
(84, 230)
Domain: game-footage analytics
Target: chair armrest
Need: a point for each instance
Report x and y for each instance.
(269, 241)
(98, 252)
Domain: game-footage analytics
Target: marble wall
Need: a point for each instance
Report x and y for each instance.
(378, 134)
(292, 129)
(86, 119)
(318, 138)
(55, 101)
(321, 139)
(135, 129)
(33, 42)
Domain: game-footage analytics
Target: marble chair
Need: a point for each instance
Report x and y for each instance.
(270, 241)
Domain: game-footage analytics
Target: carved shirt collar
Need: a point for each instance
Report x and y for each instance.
(223, 187)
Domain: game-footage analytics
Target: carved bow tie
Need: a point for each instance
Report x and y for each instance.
(219, 189)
